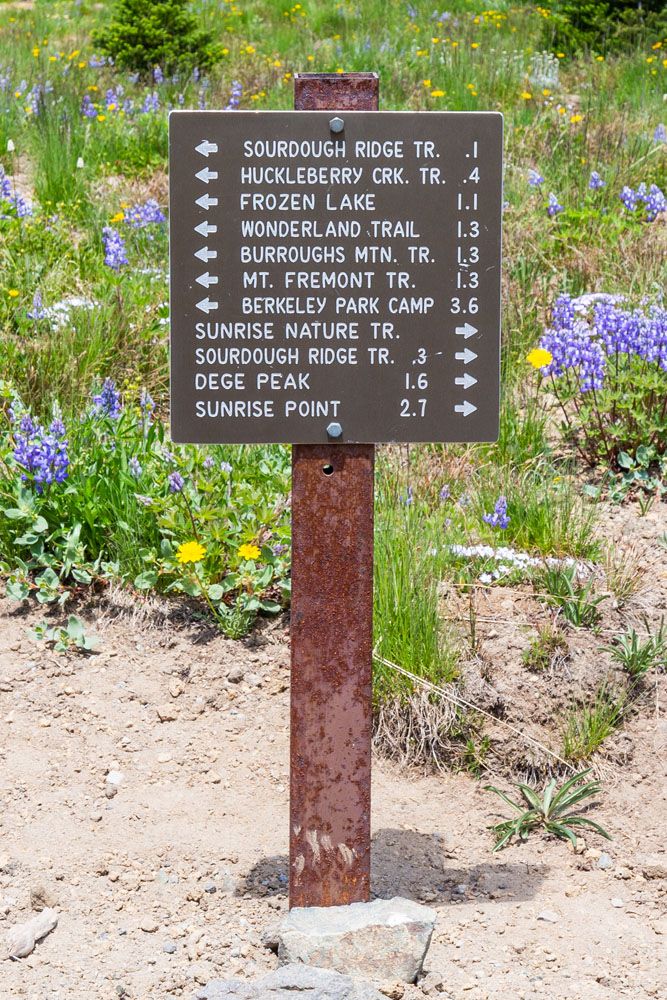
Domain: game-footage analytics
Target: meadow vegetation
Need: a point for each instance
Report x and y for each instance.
(92, 490)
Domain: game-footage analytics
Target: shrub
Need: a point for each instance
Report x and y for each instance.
(607, 366)
(148, 33)
(579, 24)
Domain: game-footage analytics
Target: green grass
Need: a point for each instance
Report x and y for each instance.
(588, 726)
(592, 114)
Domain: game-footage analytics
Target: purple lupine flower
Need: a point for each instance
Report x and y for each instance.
(176, 482)
(445, 493)
(36, 98)
(41, 455)
(9, 194)
(88, 109)
(660, 134)
(595, 182)
(201, 99)
(151, 103)
(279, 548)
(158, 75)
(235, 96)
(135, 468)
(147, 407)
(225, 466)
(409, 497)
(209, 462)
(499, 518)
(115, 255)
(629, 198)
(655, 203)
(38, 311)
(140, 216)
(535, 178)
(107, 402)
(96, 62)
(553, 208)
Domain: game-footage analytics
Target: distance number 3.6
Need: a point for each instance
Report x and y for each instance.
(461, 306)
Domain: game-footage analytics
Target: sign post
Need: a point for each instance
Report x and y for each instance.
(331, 714)
(335, 282)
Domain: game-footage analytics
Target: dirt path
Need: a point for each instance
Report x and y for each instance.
(167, 878)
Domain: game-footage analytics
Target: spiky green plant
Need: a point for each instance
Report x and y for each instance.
(553, 811)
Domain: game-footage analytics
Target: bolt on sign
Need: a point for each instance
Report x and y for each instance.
(335, 276)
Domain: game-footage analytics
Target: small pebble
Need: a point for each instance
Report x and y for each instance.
(169, 947)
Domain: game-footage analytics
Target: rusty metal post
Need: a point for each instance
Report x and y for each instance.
(332, 617)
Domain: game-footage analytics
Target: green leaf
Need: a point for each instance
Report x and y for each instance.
(82, 576)
(18, 590)
(216, 592)
(271, 607)
(16, 514)
(624, 461)
(146, 580)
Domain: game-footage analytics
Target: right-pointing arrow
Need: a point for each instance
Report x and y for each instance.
(465, 356)
(206, 201)
(206, 305)
(465, 408)
(466, 331)
(466, 380)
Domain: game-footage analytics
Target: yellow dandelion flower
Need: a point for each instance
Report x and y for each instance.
(118, 217)
(340, 70)
(650, 59)
(560, 55)
(101, 118)
(599, 58)
(427, 83)
(190, 552)
(277, 62)
(575, 119)
(526, 95)
(436, 41)
(546, 92)
(249, 552)
(454, 45)
(81, 65)
(561, 111)
(225, 52)
(474, 45)
(657, 45)
(310, 58)
(35, 51)
(13, 293)
(539, 357)
(437, 93)
(250, 49)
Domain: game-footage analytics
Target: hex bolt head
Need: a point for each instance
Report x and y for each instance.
(334, 430)
(336, 125)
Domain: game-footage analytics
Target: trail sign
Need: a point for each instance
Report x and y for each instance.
(335, 276)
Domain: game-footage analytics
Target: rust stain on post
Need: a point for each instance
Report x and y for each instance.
(332, 618)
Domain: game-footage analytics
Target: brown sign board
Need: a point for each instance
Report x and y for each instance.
(335, 276)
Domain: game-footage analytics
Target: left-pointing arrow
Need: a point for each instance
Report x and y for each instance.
(207, 175)
(465, 408)
(205, 147)
(207, 279)
(206, 305)
(206, 201)
(205, 254)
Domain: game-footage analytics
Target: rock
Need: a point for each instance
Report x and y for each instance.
(432, 984)
(605, 861)
(42, 898)
(236, 675)
(395, 989)
(210, 887)
(167, 713)
(292, 981)
(386, 938)
(618, 903)
(169, 947)
(115, 778)
(21, 940)
(149, 925)
(271, 938)
(549, 916)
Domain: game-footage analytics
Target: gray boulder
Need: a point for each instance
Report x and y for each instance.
(381, 940)
(307, 982)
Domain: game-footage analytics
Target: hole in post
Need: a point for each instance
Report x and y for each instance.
(328, 470)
